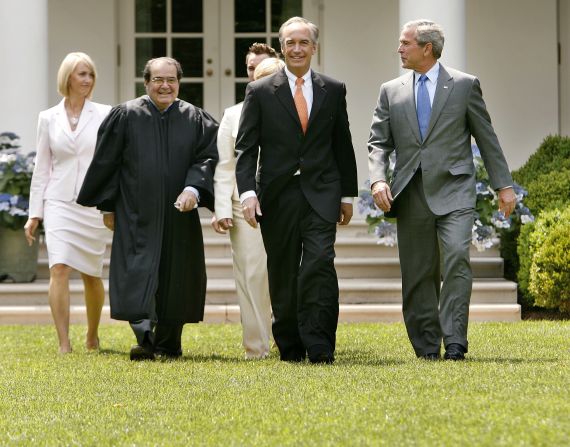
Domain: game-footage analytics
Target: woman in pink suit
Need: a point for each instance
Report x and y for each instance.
(75, 235)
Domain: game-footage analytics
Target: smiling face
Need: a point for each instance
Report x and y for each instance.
(298, 48)
(81, 80)
(163, 84)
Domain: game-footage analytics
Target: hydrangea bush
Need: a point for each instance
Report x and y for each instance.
(488, 220)
(16, 171)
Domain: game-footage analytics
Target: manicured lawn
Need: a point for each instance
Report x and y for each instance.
(513, 390)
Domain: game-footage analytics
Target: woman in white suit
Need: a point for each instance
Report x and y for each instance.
(75, 235)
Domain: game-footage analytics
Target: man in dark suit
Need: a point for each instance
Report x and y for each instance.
(428, 117)
(296, 122)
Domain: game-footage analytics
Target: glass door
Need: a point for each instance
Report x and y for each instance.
(243, 23)
(210, 38)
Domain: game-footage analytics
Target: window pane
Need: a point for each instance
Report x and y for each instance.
(150, 16)
(189, 52)
(193, 93)
(282, 10)
(276, 45)
(249, 15)
(187, 16)
(240, 91)
(139, 89)
(147, 48)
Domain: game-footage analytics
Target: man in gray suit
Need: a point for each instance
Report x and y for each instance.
(428, 117)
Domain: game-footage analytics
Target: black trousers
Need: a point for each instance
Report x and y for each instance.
(163, 338)
(303, 285)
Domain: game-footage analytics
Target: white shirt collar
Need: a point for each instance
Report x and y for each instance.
(431, 74)
(292, 77)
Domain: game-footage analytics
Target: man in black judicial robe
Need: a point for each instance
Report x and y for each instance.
(154, 163)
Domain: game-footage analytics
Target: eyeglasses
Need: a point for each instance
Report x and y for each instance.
(160, 81)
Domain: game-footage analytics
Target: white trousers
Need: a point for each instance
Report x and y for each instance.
(250, 272)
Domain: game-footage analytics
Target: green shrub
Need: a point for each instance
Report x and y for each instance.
(524, 251)
(533, 237)
(552, 155)
(550, 269)
(546, 177)
(549, 191)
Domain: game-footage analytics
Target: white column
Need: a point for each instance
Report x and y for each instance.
(24, 73)
(450, 14)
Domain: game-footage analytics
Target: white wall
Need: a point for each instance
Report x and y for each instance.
(88, 26)
(359, 43)
(564, 76)
(511, 47)
(24, 62)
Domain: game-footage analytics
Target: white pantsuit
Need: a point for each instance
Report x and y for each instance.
(249, 258)
(75, 235)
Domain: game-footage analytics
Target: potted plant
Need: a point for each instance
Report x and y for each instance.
(18, 261)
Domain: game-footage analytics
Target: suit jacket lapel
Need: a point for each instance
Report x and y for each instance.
(61, 117)
(85, 117)
(410, 105)
(319, 94)
(283, 93)
(442, 91)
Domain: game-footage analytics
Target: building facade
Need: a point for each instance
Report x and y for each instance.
(520, 50)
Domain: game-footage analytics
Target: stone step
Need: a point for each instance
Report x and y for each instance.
(222, 291)
(349, 313)
(367, 267)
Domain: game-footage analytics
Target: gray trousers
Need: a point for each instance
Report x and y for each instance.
(433, 310)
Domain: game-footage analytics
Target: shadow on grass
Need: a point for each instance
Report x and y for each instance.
(511, 361)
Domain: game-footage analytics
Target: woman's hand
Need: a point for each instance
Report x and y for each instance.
(30, 229)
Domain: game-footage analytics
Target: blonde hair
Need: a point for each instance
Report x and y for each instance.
(66, 68)
(268, 66)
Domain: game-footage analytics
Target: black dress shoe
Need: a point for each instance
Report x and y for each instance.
(293, 356)
(454, 351)
(139, 352)
(166, 356)
(432, 356)
(322, 358)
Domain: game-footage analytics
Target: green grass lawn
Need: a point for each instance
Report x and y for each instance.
(514, 389)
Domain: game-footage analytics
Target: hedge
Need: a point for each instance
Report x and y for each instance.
(541, 257)
(549, 191)
(552, 155)
(550, 270)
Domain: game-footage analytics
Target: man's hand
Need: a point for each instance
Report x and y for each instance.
(109, 221)
(382, 195)
(186, 201)
(507, 201)
(30, 229)
(251, 208)
(345, 213)
(222, 225)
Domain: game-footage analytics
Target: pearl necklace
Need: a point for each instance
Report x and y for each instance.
(74, 120)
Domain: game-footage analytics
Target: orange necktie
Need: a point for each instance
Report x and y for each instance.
(301, 104)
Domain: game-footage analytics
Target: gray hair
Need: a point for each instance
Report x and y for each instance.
(314, 31)
(428, 32)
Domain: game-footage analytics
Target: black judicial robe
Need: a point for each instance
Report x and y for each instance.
(143, 160)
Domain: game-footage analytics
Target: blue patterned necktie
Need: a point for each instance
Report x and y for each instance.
(423, 109)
